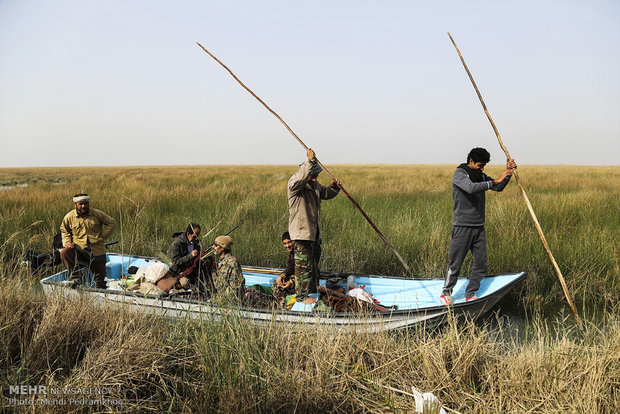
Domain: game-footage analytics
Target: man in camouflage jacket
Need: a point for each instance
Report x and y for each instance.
(229, 280)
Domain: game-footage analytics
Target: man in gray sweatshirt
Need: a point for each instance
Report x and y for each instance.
(469, 185)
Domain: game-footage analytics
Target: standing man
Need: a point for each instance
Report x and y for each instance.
(304, 206)
(83, 238)
(469, 184)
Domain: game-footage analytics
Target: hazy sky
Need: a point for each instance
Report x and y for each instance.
(124, 83)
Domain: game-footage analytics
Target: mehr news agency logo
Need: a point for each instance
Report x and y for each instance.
(30, 395)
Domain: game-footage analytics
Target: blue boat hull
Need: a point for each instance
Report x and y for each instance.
(413, 301)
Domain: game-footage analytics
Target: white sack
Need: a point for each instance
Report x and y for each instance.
(360, 294)
(152, 272)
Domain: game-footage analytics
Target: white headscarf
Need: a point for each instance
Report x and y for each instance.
(81, 198)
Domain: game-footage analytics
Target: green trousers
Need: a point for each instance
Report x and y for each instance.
(307, 254)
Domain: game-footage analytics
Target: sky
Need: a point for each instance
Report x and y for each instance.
(107, 83)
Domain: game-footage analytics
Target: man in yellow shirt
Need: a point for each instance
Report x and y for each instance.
(83, 238)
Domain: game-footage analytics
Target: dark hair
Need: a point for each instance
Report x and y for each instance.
(479, 155)
(80, 195)
(192, 227)
(286, 235)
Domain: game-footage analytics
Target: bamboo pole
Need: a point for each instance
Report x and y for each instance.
(317, 160)
(527, 201)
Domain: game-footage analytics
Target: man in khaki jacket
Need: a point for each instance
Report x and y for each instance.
(83, 238)
(304, 206)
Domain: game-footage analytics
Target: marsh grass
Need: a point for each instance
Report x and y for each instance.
(154, 364)
(412, 205)
(546, 365)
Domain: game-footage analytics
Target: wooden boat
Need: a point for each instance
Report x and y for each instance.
(412, 301)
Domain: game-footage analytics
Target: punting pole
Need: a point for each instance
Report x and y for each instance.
(324, 168)
(527, 201)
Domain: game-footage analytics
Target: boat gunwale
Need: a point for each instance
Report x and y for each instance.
(325, 275)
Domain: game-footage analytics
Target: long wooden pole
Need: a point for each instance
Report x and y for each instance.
(317, 160)
(527, 201)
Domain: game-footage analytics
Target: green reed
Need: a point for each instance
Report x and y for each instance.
(412, 205)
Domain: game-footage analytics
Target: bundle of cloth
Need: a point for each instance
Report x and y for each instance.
(153, 279)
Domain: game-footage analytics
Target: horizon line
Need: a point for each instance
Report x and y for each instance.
(284, 165)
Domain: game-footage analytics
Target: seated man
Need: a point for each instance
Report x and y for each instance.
(284, 284)
(84, 231)
(184, 252)
(229, 280)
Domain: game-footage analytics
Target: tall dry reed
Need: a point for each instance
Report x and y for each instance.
(412, 205)
(155, 364)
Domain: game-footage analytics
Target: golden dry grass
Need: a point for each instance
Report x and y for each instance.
(411, 204)
(157, 365)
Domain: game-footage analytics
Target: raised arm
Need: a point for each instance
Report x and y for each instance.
(330, 191)
(462, 181)
(298, 181)
(502, 181)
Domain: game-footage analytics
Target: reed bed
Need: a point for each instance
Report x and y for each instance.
(577, 206)
(153, 364)
(545, 364)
